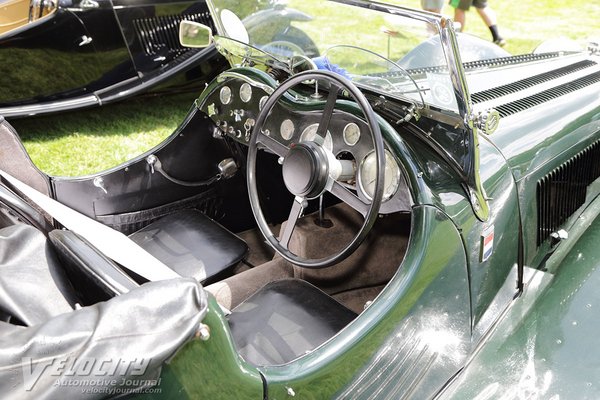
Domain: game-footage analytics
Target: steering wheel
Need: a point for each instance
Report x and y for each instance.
(309, 169)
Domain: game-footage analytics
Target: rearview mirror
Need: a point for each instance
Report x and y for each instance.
(194, 34)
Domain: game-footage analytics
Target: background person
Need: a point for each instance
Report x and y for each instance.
(432, 5)
(486, 13)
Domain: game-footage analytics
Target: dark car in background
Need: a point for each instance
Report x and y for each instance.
(69, 54)
(61, 55)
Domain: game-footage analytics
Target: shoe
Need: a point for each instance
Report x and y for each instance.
(500, 42)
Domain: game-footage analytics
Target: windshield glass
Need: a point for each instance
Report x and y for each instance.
(376, 49)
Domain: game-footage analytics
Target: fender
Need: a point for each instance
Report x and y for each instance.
(544, 344)
(265, 16)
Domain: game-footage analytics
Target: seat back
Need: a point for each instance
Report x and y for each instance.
(98, 278)
(33, 284)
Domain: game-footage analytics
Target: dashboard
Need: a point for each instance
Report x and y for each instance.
(236, 101)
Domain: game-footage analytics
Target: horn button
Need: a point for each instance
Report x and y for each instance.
(305, 170)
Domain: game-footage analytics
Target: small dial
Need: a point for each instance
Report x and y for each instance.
(225, 95)
(351, 134)
(287, 129)
(309, 134)
(367, 175)
(246, 92)
(262, 101)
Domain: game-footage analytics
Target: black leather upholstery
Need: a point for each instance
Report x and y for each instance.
(284, 320)
(193, 245)
(33, 284)
(98, 277)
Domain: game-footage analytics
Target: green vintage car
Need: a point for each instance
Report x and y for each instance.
(401, 213)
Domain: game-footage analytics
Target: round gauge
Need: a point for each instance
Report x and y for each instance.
(245, 92)
(262, 102)
(287, 129)
(225, 95)
(309, 134)
(367, 175)
(351, 134)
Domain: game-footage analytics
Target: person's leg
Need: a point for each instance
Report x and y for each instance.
(460, 9)
(459, 17)
(488, 15)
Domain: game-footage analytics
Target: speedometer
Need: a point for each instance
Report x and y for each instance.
(367, 175)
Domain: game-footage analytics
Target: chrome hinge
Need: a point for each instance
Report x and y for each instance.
(486, 121)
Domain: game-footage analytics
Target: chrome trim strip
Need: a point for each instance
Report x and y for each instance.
(236, 75)
(456, 70)
(50, 107)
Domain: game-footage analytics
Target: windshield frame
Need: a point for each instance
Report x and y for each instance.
(445, 28)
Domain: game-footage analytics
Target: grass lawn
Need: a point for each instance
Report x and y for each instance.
(88, 141)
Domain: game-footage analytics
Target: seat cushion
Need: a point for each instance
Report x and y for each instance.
(284, 320)
(193, 245)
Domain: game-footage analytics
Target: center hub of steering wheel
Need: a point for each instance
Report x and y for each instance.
(305, 170)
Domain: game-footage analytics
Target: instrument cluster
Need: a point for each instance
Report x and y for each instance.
(234, 108)
(235, 105)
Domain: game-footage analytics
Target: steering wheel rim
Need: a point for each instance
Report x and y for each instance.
(280, 245)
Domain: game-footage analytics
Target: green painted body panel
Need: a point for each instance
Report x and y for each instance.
(209, 369)
(394, 345)
(437, 186)
(539, 140)
(546, 346)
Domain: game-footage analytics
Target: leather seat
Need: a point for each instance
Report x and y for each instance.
(193, 245)
(33, 284)
(284, 320)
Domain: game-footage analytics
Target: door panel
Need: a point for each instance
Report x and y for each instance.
(134, 194)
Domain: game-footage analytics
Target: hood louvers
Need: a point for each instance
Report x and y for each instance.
(547, 95)
(523, 84)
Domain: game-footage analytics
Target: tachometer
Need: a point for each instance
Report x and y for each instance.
(367, 175)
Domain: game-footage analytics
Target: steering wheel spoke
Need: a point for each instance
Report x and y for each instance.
(271, 144)
(345, 195)
(295, 213)
(328, 111)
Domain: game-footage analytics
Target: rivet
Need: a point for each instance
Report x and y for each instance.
(203, 332)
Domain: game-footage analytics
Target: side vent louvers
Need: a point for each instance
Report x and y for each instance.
(563, 191)
(160, 35)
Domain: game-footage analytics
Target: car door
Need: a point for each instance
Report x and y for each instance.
(59, 60)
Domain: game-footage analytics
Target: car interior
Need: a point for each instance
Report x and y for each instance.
(277, 311)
